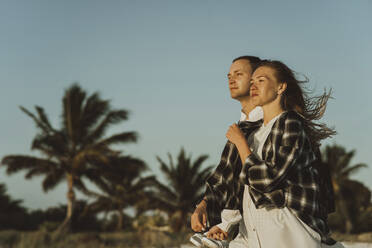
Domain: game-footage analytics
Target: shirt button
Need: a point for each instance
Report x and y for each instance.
(254, 229)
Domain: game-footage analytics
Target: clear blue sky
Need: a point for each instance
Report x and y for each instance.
(166, 62)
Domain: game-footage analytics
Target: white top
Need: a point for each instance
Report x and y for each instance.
(257, 141)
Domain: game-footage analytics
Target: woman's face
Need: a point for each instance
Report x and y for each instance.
(265, 87)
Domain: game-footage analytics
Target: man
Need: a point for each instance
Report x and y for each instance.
(239, 78)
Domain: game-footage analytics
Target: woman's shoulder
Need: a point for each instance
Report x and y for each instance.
(292, 115)
(291, 121)
(290, 128)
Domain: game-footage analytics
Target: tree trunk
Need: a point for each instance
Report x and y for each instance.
(66, 225)
(182, 221)
(348, 226)
(120, 220)
(345, 213)
(343, 207)
(178, 221)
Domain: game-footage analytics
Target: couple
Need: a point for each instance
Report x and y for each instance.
(269, 180)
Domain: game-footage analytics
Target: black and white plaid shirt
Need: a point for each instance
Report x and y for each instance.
(286, 175)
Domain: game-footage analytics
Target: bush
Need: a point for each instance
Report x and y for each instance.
(9, 238)
(49, 226)
(364, 221)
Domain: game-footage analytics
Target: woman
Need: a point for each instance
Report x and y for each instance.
(281, 189)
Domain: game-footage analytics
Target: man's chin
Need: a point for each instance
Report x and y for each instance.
(235, 98)
(238, 97)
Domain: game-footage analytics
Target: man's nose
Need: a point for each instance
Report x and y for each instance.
(231, 80)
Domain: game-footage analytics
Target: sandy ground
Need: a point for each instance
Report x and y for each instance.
(346, 244)
(358, 245)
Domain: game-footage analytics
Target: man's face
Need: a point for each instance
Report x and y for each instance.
(239, 78)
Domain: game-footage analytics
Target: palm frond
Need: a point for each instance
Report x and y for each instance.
(72, 109)
(113, 117)
(161, 203)
(96, 177)
(167, 170)
(44, 118)
(85, 155)
(124, 137)
(94, 109)
(80, 186)
(17, 163)
(344, 159)
(353, 169)
(54, 145)
(165, 191)
(149, 181)
(101, 204)
(39, 123)
(128, 165)
(53, 179)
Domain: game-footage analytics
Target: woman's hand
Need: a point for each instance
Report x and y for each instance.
(236, 136)
(217, 233)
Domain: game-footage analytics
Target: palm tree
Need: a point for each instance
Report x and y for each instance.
(338, 161)
(186, 183)
(121, 185)
(68, 152)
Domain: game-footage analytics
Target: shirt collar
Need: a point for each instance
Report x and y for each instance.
(255, 115)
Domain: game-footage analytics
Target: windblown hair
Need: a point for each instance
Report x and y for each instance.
(296, 98)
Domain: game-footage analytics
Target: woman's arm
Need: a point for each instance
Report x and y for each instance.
(291, 149)
(236, 136)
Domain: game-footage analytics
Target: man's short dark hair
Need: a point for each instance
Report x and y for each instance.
(253, 61)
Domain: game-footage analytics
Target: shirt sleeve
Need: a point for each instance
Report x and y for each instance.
(229, 219)
(291, 149)
(218, 182)
(217, 192)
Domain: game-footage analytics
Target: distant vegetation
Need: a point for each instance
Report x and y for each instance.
(79, 151)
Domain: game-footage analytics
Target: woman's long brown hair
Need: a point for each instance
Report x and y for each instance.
(295, 97)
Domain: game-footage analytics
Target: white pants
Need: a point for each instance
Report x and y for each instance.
(274, 228)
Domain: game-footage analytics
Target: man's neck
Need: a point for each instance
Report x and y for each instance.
(247, 106)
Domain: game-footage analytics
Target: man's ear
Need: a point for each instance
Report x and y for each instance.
(282, 87)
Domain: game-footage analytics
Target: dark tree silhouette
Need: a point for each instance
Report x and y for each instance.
(11, 211)
(68, 152)
(186, 181)
(338, 160)
(121, 185)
